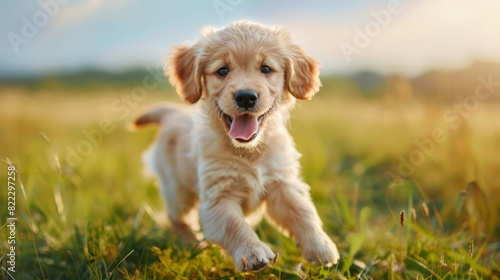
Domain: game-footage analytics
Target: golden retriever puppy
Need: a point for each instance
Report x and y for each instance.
(231, 154)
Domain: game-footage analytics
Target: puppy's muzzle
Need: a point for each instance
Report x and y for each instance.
(246, 99)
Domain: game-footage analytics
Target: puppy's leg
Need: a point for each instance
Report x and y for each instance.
(179, 206)
(223, 221)
(180, 201)
(290, 206)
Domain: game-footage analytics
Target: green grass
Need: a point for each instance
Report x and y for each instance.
(103, 219)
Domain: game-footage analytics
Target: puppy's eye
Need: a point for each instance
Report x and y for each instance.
(223, 71)
(264, 69)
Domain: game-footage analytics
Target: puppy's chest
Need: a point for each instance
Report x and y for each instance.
(265, 174)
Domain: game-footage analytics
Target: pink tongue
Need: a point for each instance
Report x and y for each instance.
(243, 127)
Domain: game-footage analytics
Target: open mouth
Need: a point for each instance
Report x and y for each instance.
(244, 127)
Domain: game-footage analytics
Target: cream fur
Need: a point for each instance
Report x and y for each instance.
(199, 165)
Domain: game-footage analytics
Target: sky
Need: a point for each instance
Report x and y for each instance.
(386, 36)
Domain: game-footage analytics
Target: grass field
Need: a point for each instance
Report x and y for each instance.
(85, 210)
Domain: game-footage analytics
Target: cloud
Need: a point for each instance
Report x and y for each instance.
(443, 33)
(423, 35)
(76, 12)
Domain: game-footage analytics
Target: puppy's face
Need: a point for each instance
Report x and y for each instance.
(245, 82)
(247, 74)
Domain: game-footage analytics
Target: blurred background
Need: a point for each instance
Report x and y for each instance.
(404, 37)
(409, 111)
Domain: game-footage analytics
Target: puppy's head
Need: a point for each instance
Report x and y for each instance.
(247, 74)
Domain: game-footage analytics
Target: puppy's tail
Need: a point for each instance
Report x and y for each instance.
(154, 116)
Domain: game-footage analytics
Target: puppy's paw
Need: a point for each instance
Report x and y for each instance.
(321, 250)
(252, 256)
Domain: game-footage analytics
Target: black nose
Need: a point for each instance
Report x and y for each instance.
(246, 98)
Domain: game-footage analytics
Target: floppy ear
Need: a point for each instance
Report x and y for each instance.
(184, 73)
(302, 74)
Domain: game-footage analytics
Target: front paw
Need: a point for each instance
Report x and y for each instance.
(252, 256)
(320, 249)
